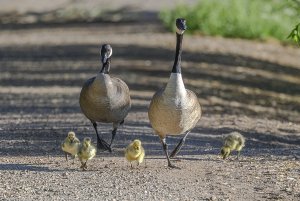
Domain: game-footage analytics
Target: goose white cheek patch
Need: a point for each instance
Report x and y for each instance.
(179, 31)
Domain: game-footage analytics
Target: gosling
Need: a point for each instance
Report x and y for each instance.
(135, 152)
(232, 142)
(70, 145)
(174, 110)
(86, 152)
(105, 99)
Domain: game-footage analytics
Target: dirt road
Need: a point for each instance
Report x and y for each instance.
(244, 86)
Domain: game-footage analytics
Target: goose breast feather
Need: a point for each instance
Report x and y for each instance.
(106, 103)
(171, 116)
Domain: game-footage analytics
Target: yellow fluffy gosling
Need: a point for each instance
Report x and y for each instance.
(135, 152)
(70, 145)
(86, 152)
(232, 142)
(174, 110)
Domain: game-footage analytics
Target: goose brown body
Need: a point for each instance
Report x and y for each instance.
(105, 99)
(174, 110)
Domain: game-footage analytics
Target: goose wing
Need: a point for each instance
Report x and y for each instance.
(120, 99)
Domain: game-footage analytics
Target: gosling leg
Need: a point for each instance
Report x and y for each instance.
(238, 155)
(82, 165)
(74, 159)
(101, 144)
(85, 166)
(178, 147)
(66, 155)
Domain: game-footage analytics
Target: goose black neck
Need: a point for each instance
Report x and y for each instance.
(106, 67)
(176, 67)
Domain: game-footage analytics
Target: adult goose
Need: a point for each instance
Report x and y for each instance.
(174, 110)
(105, 99)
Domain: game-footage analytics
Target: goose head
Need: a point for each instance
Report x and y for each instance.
(105, 53)
(180, 25)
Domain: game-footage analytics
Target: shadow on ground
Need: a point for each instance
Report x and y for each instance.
(27, 167)
(202, 141)
(224, 87)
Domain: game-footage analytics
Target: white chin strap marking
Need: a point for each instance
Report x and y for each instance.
(179, 31)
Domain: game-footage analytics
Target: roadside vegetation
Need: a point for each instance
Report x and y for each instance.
(250, 19)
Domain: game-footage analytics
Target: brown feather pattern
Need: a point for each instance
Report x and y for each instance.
(105, 99)
(174, 110)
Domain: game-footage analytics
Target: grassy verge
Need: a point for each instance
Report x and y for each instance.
(250, 19)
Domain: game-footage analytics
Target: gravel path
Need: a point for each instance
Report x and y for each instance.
(244, 86)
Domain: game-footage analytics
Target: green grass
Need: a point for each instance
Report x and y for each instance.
(250, 19)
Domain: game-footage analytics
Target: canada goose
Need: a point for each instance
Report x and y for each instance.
(105, 99)
(135, 152)
(233, 141)
(86, 152)
(70, 145)
(174, 110)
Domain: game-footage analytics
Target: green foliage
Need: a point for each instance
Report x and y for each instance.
(295, 34)
(251, 19)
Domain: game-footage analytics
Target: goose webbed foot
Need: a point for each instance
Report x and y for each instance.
(171, 166)
(101, 144)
